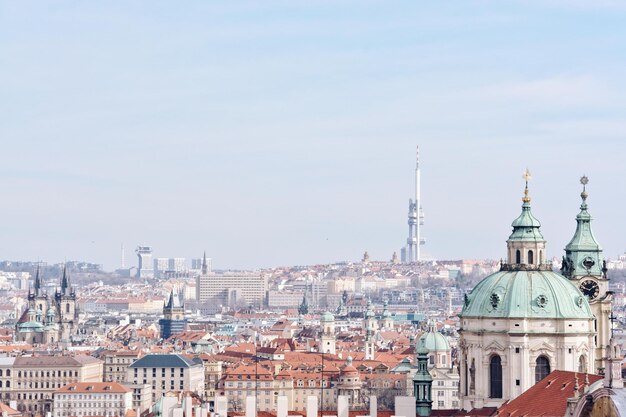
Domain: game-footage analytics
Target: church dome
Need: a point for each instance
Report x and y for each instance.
(526, 294)
(328, 316)
(30, 326)
(526, 286)
(434, 342)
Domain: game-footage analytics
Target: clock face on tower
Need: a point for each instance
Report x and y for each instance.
(590, 289)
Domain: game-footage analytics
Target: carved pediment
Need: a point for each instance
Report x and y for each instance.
(542, 347)
(494, 346)
(582, 347)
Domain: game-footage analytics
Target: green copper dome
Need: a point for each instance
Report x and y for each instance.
(526, 294)
(434, 342)
(328, 316)
(526, 226)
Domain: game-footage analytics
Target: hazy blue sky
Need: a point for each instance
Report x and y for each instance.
(281, 133)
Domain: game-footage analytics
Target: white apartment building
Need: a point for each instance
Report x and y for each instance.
(231, 289)
(79, 399)
(167, 373)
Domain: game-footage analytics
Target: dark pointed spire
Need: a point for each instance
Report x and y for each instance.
(37, 282)
(205, 267)
(65, 282)
(304, 306)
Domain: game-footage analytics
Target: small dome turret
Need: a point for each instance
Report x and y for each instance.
(327, 316)
(433, 341)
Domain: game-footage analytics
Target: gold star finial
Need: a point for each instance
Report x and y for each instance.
(527, 177)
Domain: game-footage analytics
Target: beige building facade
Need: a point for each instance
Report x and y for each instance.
(36, 378)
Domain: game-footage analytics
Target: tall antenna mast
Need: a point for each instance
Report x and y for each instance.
(418, 205)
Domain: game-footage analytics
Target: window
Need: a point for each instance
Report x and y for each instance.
(542, 368)
(495, 377)
(582, 365)
(530, 257)
(518, 257)
(439, 403)
(516, 350)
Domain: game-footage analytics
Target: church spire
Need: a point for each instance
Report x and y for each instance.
(37, 282)
(583, 254)
(526, 245)
(66, 287)
(205, 267)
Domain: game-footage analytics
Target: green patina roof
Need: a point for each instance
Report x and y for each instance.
(583, 237)
(328, 316)
(526, 226)
(370, 310)
(434, 341)
(583, 252)
(526, 294)
(421, 348)
(30, 326)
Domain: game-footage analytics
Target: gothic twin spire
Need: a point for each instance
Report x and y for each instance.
(66, 285)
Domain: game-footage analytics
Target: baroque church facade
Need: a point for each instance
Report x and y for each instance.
(524, 321)
(49, 319)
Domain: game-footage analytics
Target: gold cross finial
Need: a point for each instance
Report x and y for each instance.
(526, 177)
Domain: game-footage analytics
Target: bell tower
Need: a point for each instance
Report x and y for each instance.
(584, 266)
(327, 336)
(65, 300)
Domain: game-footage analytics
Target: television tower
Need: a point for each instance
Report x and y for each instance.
(416, 219)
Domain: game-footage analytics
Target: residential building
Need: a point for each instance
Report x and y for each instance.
(80, 399)
(116, 364)
(231, 289)
(6, 379)
(167, 372)
(142, 396)
(36, 378)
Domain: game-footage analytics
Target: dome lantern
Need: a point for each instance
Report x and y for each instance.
(526, 245)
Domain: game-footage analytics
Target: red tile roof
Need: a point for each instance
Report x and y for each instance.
(547, 397)
(97, 387)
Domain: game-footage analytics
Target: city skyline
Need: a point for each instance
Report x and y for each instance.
(290, 139)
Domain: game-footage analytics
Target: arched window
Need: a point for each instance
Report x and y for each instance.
(67, 307)
(540, 257)
(0, 372)
(8, 384)
(542, 368)
(495, 377)
(582, 364)
(518, 257)
(530, 257)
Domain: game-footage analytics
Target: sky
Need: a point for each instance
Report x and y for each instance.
(281, 133)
